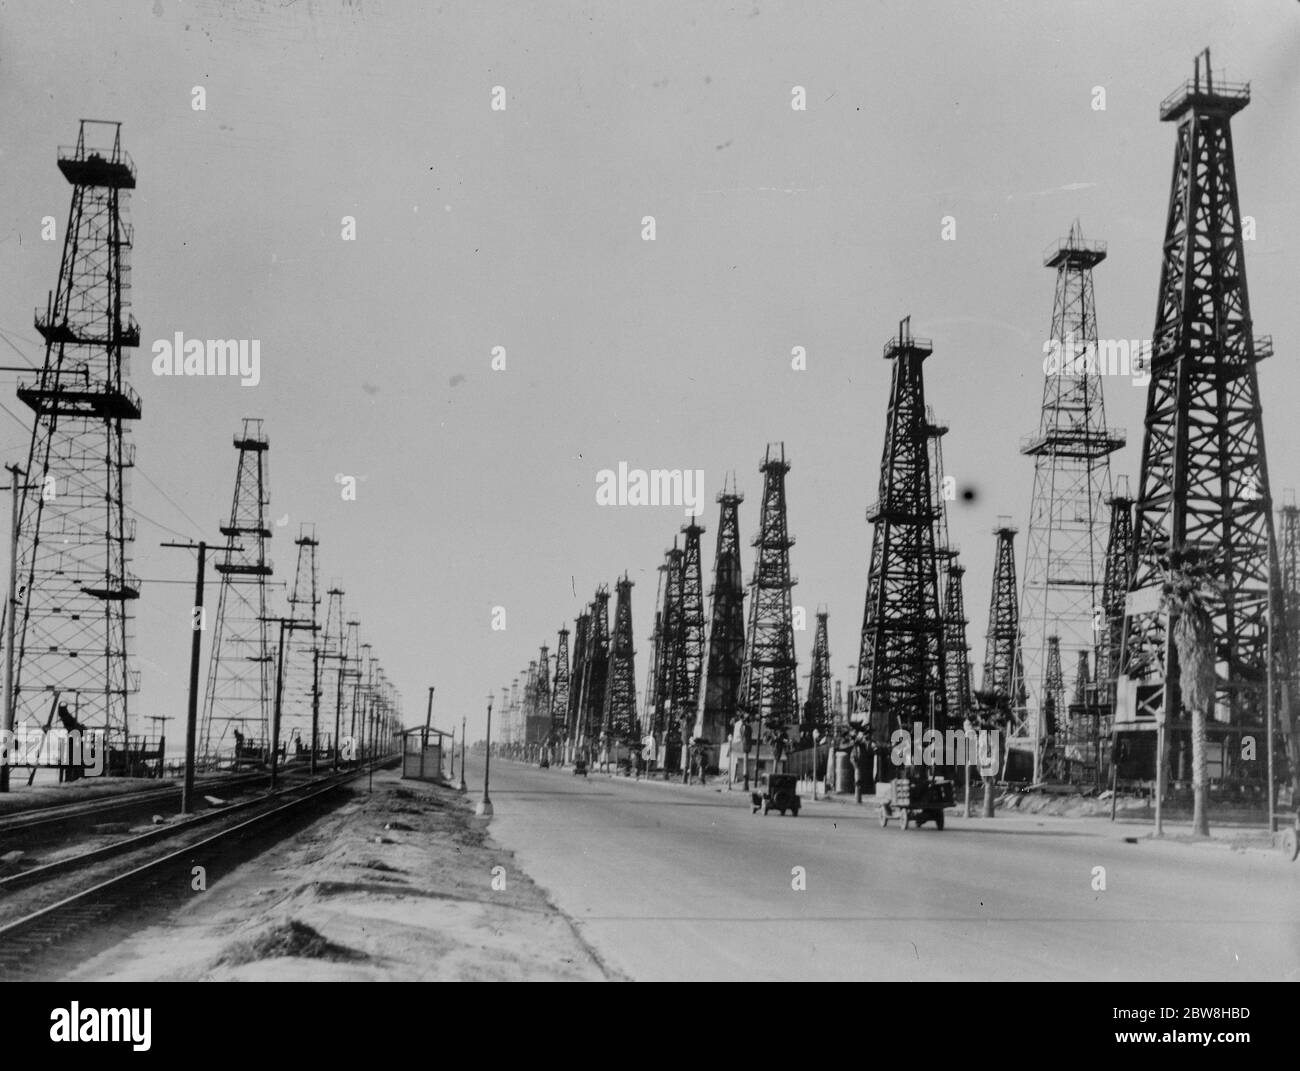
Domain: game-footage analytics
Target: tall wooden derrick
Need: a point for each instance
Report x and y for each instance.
(818, 708)
(560, 692)
(595, 671)
(1119, 572)
(690, 638)
(726, 643)
(72, 612)
(769, 687)
(1004, 674)
(956, 651)
(619, 717)
(1064, 548)
(538, 726)
(581, 645)
(1204, 477)
(901, 678)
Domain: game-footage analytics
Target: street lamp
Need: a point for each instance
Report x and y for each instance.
(484, 807)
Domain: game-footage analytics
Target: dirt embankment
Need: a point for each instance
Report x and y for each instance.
(402, 884)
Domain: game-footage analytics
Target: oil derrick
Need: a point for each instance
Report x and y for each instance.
(1204, 477)
(539, 699)
(595, 670)
(956, 651)
(511, 724)
(543, 712)
(901, 676)
(351, 676)
(581, 643)
(241, 667)
(619, 718)
(769, 687)
(329, 681)
(73, 628)
(560, 691)
(1064, 550)
(691, 641)
(1082, 678)
(956, 658)
(1003, 665)
(1114, 589)
(1053, 694)
(817, 710)
(667, 658)
(727, 627)
(299, 678)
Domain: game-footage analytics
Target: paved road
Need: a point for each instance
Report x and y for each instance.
(673, 883)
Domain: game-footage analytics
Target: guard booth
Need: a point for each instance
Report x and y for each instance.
(422, 754)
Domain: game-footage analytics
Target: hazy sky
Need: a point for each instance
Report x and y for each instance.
(522, 228)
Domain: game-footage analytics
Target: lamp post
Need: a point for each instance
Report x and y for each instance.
(484, 807)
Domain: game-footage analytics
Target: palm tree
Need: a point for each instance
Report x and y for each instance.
(992, 713)
(1188, 587)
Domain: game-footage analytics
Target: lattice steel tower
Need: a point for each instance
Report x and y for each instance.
(72, 631)
(1204, 481)
(1065, 550)
(769, 686)
(300, 668)
(241, 668)
(726, 642)
(620, 719)
(901, 675)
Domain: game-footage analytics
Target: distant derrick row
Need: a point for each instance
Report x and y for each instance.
(1096, 558)
(72, 626)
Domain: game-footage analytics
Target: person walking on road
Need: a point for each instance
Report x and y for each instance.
(859, 757)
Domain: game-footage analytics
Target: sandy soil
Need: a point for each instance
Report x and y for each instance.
(394, 886)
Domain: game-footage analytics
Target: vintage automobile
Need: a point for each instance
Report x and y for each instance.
(918, 799)
(777, 793)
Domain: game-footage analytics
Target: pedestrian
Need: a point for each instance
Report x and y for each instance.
(704, 760)
(859, 757)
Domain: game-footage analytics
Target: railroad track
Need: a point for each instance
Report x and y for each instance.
(21, 824)
(26, 940)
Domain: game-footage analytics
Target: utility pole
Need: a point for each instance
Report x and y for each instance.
(291, 625)
(196, 627)
(11, 614)
(484, 807)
